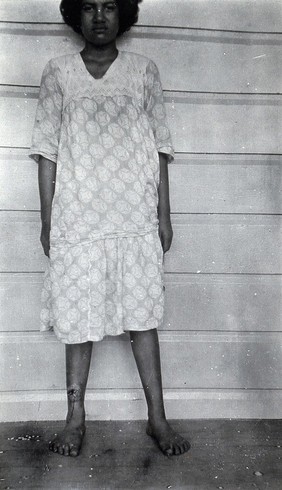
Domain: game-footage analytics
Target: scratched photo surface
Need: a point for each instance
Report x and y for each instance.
(220, 340)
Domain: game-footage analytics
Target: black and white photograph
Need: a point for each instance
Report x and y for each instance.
(141, 244)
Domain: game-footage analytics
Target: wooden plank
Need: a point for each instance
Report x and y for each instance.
(192, 302)
(198, 61)
(253, 15)
(225, 124)
(19, 174)
(202, 244)
(190, 360)
(222, 302)
(24, 252)
(119, 454)
(18, 406)
(206, 184)
(212, 62)
(199, 122)
(225, 187)
(20, 301)
(207, 432)
(226, 244)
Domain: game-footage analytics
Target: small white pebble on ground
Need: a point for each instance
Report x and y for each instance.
(258, 473)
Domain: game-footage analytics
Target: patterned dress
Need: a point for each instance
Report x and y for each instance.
(106, 262)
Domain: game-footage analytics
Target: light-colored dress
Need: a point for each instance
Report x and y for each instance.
(106, 261)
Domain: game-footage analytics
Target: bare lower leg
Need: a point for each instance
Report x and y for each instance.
(145, 346)
(78, 357)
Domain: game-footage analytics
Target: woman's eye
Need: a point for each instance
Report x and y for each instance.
(110, 8)
(107, 8)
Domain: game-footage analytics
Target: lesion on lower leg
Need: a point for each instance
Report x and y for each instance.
(75, 393)
(76, 411)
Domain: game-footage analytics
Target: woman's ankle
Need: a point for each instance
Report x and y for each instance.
(76, 413)
(156, 417)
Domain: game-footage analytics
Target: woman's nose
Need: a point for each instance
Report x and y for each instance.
(99, 14)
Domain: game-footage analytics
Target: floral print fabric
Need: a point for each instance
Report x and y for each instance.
(105, 268)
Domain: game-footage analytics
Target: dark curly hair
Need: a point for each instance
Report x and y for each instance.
(128, 14)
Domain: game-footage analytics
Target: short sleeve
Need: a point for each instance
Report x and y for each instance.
(155, 108)
(47, 126)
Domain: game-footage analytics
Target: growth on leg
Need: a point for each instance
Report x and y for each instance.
(69, 441)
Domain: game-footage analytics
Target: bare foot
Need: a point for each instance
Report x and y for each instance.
(169, 441)
(69, 441)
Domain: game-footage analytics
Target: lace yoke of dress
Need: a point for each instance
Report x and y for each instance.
(125, 77)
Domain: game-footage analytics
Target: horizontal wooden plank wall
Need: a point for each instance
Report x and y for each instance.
(195, 61)
(221, 338)
(191, 119)
(190, 301)
(231, 244)
(240, 15)
(245, 184)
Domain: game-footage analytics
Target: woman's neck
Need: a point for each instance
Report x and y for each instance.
(99, 53)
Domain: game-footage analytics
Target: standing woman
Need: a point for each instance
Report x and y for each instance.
(102, 145)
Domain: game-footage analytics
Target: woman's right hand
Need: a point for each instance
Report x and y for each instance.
(45, 239)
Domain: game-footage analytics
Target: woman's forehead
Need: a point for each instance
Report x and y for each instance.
(98, 2)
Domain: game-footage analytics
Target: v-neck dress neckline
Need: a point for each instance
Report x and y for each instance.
(106, 74)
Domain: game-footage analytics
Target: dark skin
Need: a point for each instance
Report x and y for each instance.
(99, 20)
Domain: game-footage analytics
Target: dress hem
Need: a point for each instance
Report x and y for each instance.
(94, 339)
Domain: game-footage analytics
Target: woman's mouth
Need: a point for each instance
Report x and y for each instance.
(99, 28)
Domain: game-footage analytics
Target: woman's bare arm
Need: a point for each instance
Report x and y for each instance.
(165, 228)
(46, 181)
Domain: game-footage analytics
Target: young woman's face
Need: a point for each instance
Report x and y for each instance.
(99, 21)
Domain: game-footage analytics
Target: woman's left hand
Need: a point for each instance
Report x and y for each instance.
(165, 232)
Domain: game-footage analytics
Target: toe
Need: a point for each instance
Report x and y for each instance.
(177, 450)
(54, 447)
(187, 446)
(74, 451)
(181, 448)
(167, 450)
(181, 445)
(67, 450)
(61, 450)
